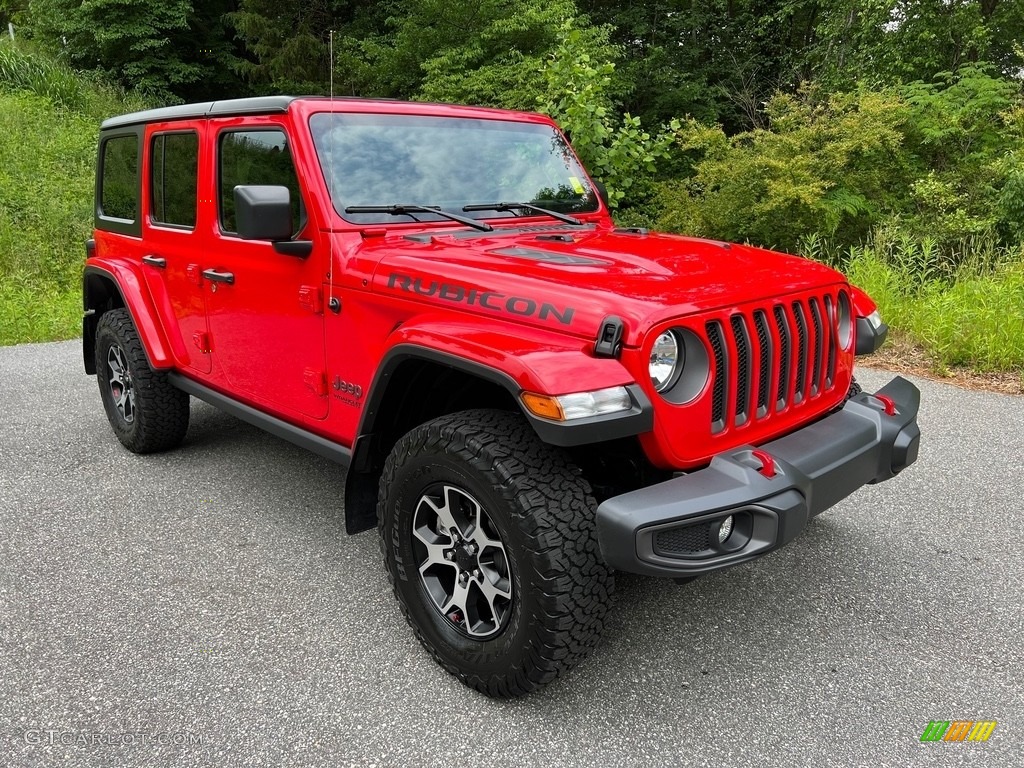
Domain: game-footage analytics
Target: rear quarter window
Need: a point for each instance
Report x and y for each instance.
(118, 184)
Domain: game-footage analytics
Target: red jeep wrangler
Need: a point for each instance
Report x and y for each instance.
(526, 398)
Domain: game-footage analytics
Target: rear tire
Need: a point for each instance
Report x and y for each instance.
(489, 539)
(145, 411)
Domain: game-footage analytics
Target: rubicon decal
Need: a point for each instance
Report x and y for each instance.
(514, 305)
(958, 730)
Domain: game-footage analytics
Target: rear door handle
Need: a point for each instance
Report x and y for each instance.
(219, 277)
(155, 261)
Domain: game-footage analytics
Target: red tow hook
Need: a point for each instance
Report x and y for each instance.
(890, 406)
(767, 462)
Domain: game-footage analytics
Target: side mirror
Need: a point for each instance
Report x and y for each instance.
(263, 212)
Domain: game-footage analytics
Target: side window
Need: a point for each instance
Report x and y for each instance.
(120, 181)
(256, 157)
(174, 167)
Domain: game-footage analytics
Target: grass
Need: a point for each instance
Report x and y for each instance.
(49, 121)
(964, 309)
(38, 313)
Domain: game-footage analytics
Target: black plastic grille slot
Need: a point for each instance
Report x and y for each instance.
(764, 349)
(830, 365)
(714, 332)
(743, 367)
(785, 355)
(686, 540)
(801, 352)
(817, 358)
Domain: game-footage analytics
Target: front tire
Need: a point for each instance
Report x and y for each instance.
(145, 411)
(489, 540)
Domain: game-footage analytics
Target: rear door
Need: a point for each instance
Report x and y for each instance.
(265, 308)
(174, 253)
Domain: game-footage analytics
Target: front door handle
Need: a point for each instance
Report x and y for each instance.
(155, 261)
(219, 277)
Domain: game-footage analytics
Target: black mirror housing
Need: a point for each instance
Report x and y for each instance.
(263, 212)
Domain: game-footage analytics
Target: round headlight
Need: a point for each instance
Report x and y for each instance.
(666, 361)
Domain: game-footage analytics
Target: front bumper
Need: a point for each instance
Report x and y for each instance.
(672, 528)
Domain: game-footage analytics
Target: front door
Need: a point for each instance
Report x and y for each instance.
(264, 307)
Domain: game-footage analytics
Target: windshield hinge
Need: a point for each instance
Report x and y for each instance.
(609, 337)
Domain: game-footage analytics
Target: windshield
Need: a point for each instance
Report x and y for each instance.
(446, 162)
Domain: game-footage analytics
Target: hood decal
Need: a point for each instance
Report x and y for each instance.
(522, 306)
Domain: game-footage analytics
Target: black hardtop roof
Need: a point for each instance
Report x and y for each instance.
(258, 105)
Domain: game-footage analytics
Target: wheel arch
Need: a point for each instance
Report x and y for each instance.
(413, 385)
(109, 286)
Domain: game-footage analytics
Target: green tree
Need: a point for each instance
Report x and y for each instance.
(615, 149)
(716, 60)
(467, 51)
(288, 44)
(167, 49)
(894, 41)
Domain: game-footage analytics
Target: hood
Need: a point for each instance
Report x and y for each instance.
(570, 279)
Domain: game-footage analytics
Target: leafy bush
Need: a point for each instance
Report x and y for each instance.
(831, 165)
(616, 151)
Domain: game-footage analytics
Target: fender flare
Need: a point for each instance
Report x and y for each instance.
(518, 360)
(460, 346)
(135, 296)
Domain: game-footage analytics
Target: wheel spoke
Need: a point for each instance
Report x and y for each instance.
(435, 553)
(458, 599)
(502, 590)
(444, 513)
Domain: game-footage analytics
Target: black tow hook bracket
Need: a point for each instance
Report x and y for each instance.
(609, 337)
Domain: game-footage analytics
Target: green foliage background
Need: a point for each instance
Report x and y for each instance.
(883, 136)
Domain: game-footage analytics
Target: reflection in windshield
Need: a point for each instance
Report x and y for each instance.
(445, 162)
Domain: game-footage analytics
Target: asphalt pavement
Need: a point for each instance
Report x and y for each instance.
(205, 607)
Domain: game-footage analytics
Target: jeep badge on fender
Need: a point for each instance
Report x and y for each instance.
(543, 399)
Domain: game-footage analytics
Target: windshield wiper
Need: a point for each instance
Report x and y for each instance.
(407, 210)
(502, 207)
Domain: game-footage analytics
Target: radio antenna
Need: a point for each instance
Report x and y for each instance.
(330, 178)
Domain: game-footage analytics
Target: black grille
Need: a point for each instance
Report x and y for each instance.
(786, 349)
(687, 540)
(714, 331)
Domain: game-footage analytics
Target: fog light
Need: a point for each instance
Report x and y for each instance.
(725, 529)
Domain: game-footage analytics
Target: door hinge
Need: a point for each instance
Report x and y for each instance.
(203, 342)
(310, 299)
(316, 381)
